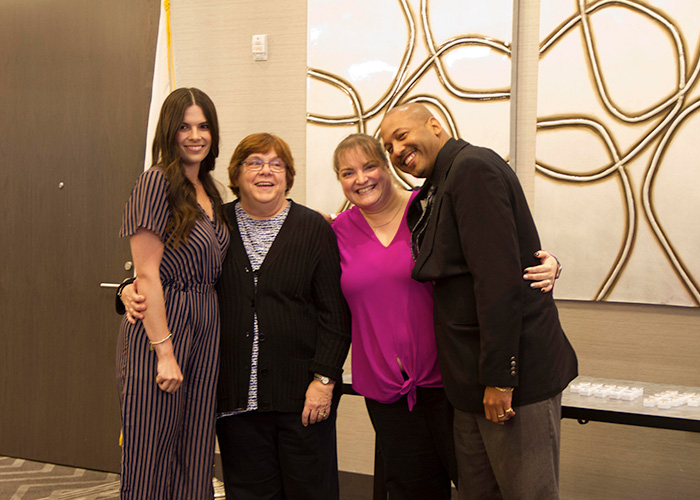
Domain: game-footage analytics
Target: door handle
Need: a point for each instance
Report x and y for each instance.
(128, 266)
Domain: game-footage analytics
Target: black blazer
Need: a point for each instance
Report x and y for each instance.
(303, 319)
(492, 329)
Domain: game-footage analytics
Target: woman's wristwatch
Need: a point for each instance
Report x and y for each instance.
(323, 380)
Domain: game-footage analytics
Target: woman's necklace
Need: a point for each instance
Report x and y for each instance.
(398, 209)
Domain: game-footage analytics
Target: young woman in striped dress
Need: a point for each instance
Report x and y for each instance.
(167, 363)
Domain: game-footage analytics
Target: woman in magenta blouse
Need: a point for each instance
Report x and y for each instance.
(394, 358)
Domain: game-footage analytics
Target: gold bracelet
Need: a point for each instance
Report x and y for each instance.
(504, 389)
(151, 344)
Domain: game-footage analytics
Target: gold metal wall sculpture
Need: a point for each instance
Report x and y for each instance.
(365, 57)
(617, 148)
(616, 190)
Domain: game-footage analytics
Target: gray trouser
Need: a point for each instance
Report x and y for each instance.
(518, 460)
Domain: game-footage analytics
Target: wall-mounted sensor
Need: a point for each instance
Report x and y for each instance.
(260, 47)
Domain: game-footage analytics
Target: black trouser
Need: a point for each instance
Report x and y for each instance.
(417, 446)
(271, 456)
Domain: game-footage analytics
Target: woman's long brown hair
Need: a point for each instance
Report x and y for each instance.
(181, 195)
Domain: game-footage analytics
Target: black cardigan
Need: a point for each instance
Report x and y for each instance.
(303, 319)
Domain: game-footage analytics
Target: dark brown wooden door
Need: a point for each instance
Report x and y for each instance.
(75, 86)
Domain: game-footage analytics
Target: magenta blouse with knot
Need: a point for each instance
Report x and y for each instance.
(392, 314)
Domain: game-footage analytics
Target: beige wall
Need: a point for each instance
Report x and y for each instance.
(631, 342)
(635, 342)
(212, 42)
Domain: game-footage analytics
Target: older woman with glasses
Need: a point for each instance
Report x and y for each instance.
(285, 333)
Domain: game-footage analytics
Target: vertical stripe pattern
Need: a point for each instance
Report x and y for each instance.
(168, 445)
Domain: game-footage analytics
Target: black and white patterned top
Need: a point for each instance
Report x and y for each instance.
(257, 237)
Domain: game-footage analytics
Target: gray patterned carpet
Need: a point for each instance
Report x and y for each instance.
(27, 480)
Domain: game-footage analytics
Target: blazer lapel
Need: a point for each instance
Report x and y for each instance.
(439, 178)
(426, 247)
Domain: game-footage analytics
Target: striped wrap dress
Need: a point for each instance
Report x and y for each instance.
(168, 447)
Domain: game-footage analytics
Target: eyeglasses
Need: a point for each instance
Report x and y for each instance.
(255, 165)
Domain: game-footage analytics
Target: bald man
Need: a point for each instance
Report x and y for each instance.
(503, 355)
